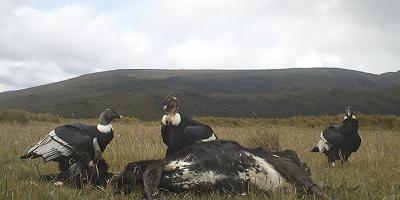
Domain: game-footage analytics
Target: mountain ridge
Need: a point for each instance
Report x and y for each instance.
(224, 93)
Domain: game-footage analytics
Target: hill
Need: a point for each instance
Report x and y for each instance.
(221, 93)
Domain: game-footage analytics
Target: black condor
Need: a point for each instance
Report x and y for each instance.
(338, 142)
(75, 146)
(218, 165)
(179, 131)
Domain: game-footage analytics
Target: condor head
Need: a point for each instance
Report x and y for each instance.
(170, 105)
(349, 113)
(350, 117)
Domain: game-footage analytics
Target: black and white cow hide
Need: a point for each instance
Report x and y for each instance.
(218, 166)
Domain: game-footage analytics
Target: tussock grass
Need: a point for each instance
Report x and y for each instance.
(372, 173)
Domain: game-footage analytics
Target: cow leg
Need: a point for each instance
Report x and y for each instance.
(298, 176)
(290, 166)
(266, 154)
(152, 177)
(292, 172)
(287, 154)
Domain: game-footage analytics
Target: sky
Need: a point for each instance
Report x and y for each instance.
(43, 41)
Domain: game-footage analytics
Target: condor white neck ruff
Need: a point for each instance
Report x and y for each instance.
(353, 117)
(174, 120)
(104, 128)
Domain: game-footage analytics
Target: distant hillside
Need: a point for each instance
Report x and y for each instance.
(233, 93)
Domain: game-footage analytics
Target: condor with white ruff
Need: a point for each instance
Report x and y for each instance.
(223, 166)
(76, 145)
(338, 142)
(179, 131)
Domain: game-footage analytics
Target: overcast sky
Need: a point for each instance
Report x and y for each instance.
(43, 41)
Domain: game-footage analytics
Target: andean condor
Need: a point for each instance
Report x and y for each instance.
(218, 166)
(75, 146)
(179, 131)
(337, 142)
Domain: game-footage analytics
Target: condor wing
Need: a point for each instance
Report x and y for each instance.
(62, 141)
(332, 136)
(75, 136)
(199, 133)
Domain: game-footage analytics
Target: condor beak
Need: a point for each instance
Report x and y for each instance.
(118, 115)
(165, 108)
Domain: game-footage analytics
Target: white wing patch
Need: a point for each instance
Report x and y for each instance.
(263, 175)
(323, 144)
(51, 147)
(97, 150)
(211, 138)
(104, 128)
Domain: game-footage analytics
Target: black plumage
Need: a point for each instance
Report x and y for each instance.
(187, 132)
(179, 131)
(338, 142)
(75, 143)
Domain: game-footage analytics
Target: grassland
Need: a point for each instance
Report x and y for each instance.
(372, 173)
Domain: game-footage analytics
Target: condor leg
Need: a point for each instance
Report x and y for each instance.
(331, 157)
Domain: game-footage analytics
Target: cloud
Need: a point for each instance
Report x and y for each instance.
(70, 39)
(25, 74)
(40, 46)
(273, 34)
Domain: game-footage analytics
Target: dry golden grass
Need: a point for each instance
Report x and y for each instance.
(372, 173)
